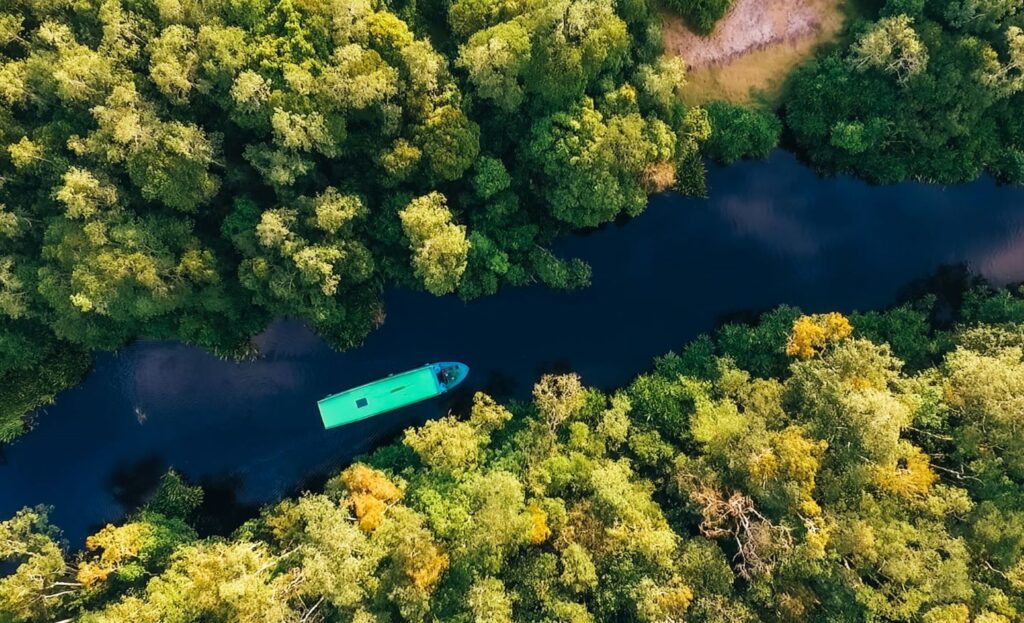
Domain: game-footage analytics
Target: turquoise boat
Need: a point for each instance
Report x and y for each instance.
(394, 392)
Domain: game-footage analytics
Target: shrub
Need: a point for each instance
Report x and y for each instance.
(738, 132)
(700, 15)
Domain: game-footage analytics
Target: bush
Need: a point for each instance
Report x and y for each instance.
(738, 132)
(700, 15)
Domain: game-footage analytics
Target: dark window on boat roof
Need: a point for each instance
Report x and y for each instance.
(361, 403)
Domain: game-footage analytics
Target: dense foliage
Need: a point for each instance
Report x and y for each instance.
(700, 15)
(740, 132)
(190, 169)
(932, 90)
(807, 468)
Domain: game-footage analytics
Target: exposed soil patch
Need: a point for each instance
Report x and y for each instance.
(749, 25)
(754, 46)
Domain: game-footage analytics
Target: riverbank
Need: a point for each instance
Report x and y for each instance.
(753, 48)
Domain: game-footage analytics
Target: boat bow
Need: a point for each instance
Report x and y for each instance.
(449, 374)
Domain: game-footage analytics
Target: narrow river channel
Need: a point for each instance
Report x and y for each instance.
(771, 233)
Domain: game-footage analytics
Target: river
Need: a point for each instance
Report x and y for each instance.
(772, 232)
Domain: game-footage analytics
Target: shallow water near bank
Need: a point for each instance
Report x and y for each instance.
(771, 233)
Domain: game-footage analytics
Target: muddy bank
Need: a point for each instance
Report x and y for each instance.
(752, 25)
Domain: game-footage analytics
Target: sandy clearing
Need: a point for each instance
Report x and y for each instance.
(749, 25)
(753, 47)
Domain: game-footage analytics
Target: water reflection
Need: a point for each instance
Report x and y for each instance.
(771, 233)
(1005, 263)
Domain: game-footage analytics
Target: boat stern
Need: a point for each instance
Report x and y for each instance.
(449, 374)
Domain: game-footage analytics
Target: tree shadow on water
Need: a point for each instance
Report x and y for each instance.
(554, 366)
(460, 400)
(748, 316)
(948, 284)
(498, 385)
(132, 483)
(222, 511)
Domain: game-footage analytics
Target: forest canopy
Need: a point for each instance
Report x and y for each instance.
(804, 468)
(930, 90)
(190, 170)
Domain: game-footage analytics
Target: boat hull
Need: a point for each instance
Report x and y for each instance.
(390, 393)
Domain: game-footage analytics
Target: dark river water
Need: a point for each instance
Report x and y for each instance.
(772, 232)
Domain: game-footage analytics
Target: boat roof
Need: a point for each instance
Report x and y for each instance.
(392, 392)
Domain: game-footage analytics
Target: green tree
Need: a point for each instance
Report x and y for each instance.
(574, 41)
(701, 15)
(495, 59)
(983, 390)
(738, 132)
(440, 248)
(41, 585)
(592, 165)
(892, 46)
